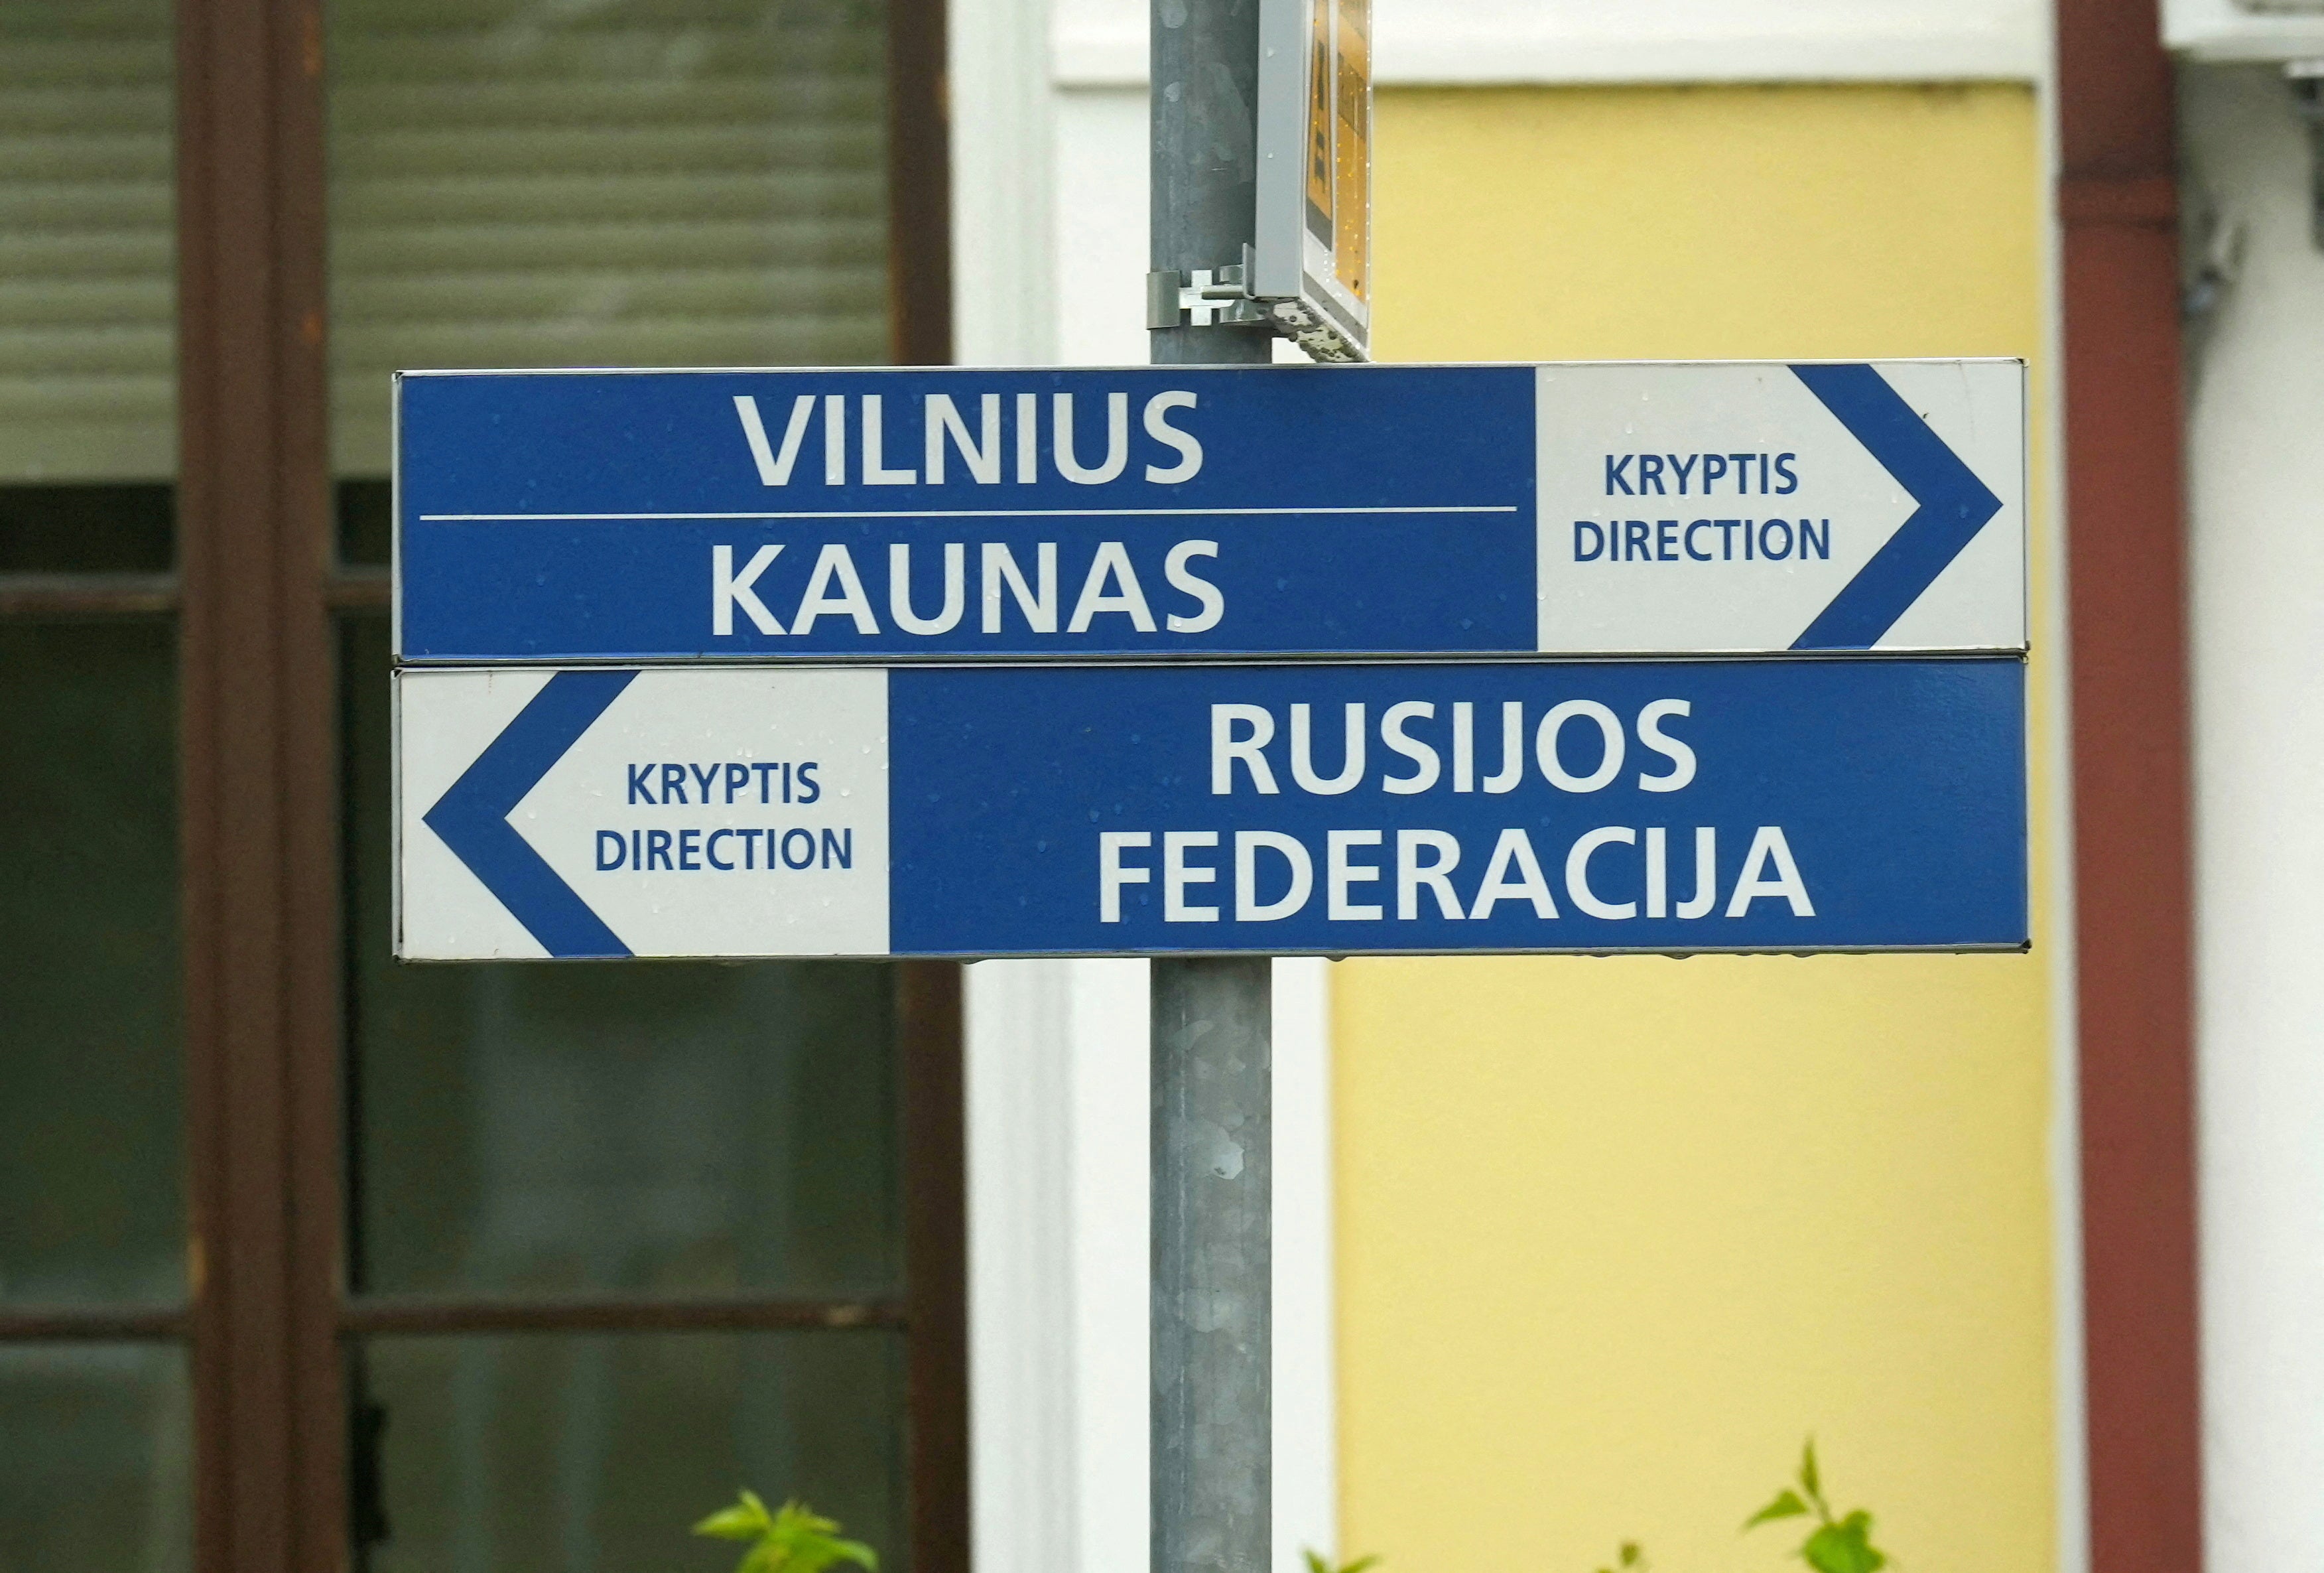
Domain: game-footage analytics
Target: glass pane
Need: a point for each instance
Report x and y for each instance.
(675, 1129)
(624, 182)
(365, 529)
(90, 1204)
(85, 528)
(594, 1453)
(87, 269)
(96, 1460)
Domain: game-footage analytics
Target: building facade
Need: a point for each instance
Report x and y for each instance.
(311, 1262)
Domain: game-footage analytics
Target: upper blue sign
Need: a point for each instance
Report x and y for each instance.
(1726, 507)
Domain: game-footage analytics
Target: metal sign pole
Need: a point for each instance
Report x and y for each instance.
(1210, 1301)
(1210, 1321)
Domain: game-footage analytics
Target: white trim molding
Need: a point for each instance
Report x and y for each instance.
(1002, 135)
(1024, 1499)
(1307, 1454)
(2225, 31)
(1099, 44)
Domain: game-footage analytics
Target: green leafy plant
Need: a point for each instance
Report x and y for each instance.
(1628, 1557)
(1837, 1544)
(792, 1540)
(1319, 1563)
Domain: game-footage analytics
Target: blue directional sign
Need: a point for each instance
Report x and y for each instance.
(1150, 809)
(1167, 512)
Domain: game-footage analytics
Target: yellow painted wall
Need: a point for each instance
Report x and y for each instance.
(1615, 1235)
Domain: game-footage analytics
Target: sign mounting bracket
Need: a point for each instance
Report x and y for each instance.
(1224, 298)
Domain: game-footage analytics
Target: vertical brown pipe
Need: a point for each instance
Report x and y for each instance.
(2126, 588)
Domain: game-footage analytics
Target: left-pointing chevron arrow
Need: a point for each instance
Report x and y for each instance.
(473, 818)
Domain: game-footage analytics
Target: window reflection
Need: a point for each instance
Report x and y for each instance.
(86, 529)
(91, 1200)
(594, 1453)
(96, 1458)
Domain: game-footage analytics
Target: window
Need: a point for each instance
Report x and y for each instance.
(308, 1261)
(95, 1407)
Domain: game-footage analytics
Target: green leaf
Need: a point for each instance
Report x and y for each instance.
(799, 1519)
(1786, 1506)
(728, 1523)
(1812, 1482)
(1630, 1557)
(857, 1552)
(746, 1520)
(801, 1541)
(796, 1540)
(1845, 1547)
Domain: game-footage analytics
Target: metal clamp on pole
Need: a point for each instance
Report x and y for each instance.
(1204, 298)
(1221, 298)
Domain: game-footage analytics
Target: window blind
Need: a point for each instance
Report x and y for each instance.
(600, 183)
(87, 282)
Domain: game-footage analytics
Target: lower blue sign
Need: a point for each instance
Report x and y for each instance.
(1674, 807)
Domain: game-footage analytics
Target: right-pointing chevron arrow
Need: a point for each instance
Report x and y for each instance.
(1954, 506)
(473, 816)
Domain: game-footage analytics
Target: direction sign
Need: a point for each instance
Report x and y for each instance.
(1165, 512)
(1314, 219)
(994, 810)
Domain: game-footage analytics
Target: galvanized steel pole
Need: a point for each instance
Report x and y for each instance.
(1209, 1317)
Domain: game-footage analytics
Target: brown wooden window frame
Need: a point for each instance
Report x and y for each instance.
(267, 1321)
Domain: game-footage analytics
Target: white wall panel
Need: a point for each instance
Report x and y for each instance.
(2256, 542)
(1003, 126)
(1100, 234)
